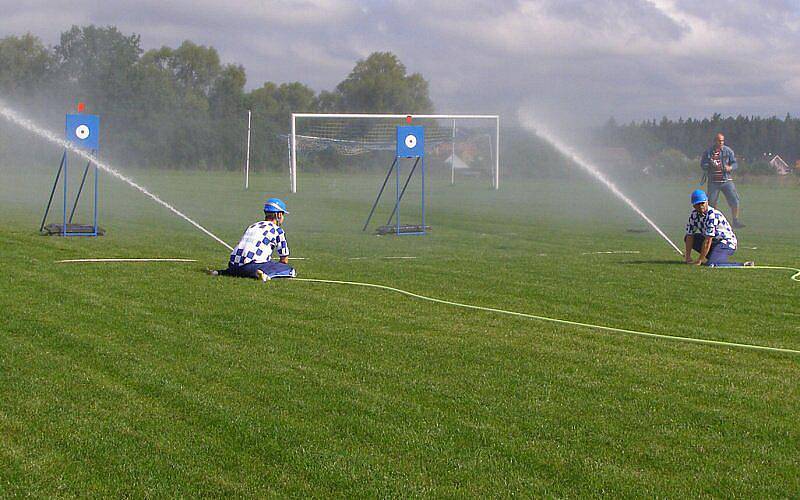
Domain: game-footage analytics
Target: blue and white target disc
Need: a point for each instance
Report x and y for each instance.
(410, 141)
(82, 132)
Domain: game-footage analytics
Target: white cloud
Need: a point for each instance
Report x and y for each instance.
(631, 58)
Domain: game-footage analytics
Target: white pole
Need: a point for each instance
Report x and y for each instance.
(497, 155)
(247, 157)
(293, 164)
(453, 156)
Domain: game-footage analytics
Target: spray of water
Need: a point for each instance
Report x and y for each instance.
(595, 172)
(16, 118)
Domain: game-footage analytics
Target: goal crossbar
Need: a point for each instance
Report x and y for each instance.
(293, 136)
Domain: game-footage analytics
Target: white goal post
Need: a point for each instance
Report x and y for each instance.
(495, 174)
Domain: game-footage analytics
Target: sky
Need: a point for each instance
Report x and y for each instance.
(567, 60)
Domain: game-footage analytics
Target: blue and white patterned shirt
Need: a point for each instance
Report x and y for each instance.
(258, 243)
(712, 224)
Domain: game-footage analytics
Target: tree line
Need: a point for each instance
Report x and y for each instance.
(184, 108)
(180, 107)
(678, 144)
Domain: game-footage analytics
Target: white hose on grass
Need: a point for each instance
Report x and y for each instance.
(559, 321)
(795, 277)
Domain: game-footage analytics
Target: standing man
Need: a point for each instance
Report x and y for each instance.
(252, 256)
(709, 233)
(718, 164)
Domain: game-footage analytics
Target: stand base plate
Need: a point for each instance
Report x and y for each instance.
(404, 228)
(72, 230)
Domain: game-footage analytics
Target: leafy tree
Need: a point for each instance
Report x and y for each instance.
(98, 65)
(195, 67)
(327, 102)
(181, 107)
(227, 110)
(379, 84)
(98, 62)
(754, 139)
(25, 65)
(272, 106)
(152, 121)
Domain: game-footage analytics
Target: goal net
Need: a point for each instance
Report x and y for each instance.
(456, 146)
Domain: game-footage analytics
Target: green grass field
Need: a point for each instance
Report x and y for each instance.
(156, 379)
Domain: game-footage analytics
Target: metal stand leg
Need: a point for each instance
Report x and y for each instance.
(80, 189)
(53, 191)
(64, 204)
(423, 196)
(95, 199)
(374, 205)
(403, 192)
(396, 200)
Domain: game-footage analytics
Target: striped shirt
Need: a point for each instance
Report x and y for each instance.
(717, 169)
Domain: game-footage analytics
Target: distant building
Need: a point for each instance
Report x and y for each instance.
(780, 166)
(457, 162)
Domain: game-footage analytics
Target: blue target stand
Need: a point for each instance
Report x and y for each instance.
(82, 131)
(410, 145)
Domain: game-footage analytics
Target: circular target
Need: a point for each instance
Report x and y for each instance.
(82, 132)
(411, 141)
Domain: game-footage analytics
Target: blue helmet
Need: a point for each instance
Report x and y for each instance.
(275, 205)
(699, 196)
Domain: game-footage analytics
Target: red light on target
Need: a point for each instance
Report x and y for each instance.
(408, 119)
(81, 107)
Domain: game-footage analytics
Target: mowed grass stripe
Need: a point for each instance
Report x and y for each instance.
(562, 322)
(573, 374)
(164, 381)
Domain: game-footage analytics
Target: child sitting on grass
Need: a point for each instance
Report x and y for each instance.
(251, 257)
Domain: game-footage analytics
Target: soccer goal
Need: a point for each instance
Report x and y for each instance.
(457, 146)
